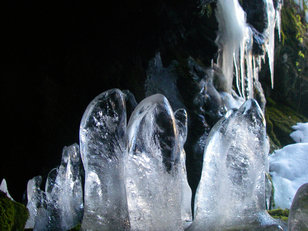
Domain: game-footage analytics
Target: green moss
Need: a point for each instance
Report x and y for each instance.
(281, 214)
(76, 228)
(13, 215)
(280, 119)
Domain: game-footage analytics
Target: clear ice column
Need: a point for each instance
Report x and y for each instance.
(152, 167)
(102, 147)
(231, 192)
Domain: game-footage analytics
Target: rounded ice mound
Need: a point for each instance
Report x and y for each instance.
(300, 135)
(288, 167)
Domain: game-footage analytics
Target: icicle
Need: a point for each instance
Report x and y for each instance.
(270, 32)
(235, 42)
(231, 37)
(278, 18)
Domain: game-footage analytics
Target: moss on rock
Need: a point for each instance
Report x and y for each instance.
(281, 214)
(13, 215)
(280, 119)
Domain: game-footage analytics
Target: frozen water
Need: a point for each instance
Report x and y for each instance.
(298, 217)
(70, 196)
(3, 188)
(235, 45)
(60, 207)
(181, 122)
(103, 146)
(64, 189)
(34, 197)
(153, 183)
(300, 135)
(288, 167)
(270, 33)
(234, 41)
(231, 192)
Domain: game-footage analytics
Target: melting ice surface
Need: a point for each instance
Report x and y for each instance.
(231, 191)
(60, 206)
(288, 167)
(153, 169)
(135, 176)
(102, 147)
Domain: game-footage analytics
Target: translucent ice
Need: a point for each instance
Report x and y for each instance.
(60, 207)
(234, 41)
(3, 188)
(231, 192)
(181, 122)
(270, 33)
(153, 183)
(298, 217)
(288, 167)
(34, 197)
(103, 146)
(66, 193)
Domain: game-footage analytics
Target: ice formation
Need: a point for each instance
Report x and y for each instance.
(298, 217)
(35, 199)
(270, 33)
(231, 191)
(235, 43)
(186, 194)
(234, 40)
(288, 167)
(3, 188)
(300, 135)
(60, 206)
(103, 147)
(152, 176)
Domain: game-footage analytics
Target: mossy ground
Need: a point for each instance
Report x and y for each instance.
(13, 215)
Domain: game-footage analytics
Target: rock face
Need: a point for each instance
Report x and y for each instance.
(298, 217)
(231, 191)
(102, 147)
(152, 168)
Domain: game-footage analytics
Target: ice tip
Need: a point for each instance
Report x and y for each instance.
(251, 107)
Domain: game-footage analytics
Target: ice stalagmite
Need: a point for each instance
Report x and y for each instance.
(66, 194)
(34, 197)
(298, 217)
(153, 183)
(181, 122)
(231, 192)
(102, 147)
(60, 207)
